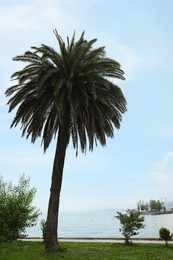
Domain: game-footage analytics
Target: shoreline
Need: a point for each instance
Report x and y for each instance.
(103, 240)
(153, 213)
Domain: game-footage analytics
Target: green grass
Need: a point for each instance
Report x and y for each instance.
(22, 250)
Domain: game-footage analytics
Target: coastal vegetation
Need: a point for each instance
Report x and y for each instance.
(66, 95)
(16, 210)
(24, 250)
(165, 235)
(43, 229)
(151, 206)
(130, 222)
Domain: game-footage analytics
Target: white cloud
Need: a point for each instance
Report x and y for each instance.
(132, 61)
(37, 15)
(17, 17)
(31, 16)
(162, 172)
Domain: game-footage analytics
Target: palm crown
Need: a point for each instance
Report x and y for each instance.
(68, 90)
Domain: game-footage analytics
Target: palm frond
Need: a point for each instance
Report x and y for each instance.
(67, 90)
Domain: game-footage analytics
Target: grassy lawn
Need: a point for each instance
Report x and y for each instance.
(22, 250)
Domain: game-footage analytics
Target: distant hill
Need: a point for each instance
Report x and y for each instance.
(168, 204)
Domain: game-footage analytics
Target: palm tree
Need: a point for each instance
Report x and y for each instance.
(66, 94)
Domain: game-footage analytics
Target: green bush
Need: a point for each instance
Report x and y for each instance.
(43, 229)
(130, 223)
(165, 235)
(16, 210)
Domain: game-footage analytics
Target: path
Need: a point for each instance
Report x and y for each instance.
(104, 240)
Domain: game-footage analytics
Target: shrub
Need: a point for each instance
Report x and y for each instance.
(43, 229)
(16, 210)
(165, 235)
(130, 222)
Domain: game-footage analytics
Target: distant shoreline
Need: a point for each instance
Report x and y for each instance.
(156, 212)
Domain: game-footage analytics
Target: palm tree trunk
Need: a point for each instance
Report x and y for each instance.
(51, 242)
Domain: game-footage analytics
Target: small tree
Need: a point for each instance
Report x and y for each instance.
(130, 222)
(16, 210)
(142, 205)
(155, 205)
(165, 235)
(43, 229)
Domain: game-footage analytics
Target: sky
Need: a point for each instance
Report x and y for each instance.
(138, 163)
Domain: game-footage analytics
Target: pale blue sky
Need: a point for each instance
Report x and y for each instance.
(138, 163)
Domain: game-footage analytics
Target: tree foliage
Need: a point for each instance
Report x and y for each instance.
(130, 222)
(142, 205)
(155, 205)
(16, 210)
(165, 235)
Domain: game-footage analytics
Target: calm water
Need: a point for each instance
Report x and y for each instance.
(103, 224)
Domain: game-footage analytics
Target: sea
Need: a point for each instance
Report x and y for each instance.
(103, 224)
